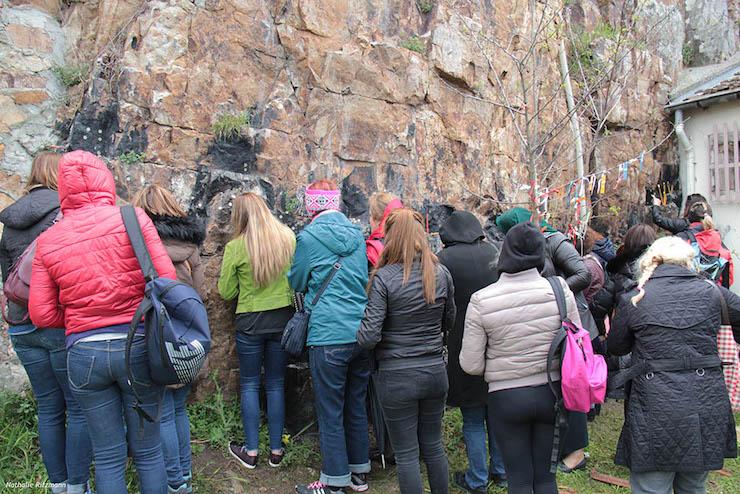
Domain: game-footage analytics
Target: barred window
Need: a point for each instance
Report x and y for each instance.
(724, 163)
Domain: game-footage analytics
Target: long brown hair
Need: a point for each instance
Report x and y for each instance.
(269, 243)
(44, 171)
(156, 200)
(405, 241)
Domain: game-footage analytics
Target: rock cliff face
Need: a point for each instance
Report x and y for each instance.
(418, 98)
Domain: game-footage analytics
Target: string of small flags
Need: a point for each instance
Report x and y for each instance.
(577, 192)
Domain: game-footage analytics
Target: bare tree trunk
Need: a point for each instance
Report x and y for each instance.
(575, 127)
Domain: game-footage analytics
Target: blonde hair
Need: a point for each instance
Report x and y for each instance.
(269, 243)
(378, 202)
(44, 171)
(405, 242)
(666, 250)
(156, 200)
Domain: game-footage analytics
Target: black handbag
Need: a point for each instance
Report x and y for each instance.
(296, 331)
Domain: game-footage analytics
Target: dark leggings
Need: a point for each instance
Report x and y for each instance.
(524, 424)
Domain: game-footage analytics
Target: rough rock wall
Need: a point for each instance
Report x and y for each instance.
(378, 94)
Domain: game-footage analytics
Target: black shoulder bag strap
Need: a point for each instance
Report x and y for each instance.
(136, 237)
(337, 266)
(557, 350)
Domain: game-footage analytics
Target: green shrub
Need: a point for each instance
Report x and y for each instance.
(414, 43)
(425, 6)
(130, 158)
(687, 54)
(228, 125)
(71, 75)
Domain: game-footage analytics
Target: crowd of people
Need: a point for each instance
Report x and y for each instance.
(468, 327)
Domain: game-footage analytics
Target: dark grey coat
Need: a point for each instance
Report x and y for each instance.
(23, 221)
(678, 421)
(398, 322)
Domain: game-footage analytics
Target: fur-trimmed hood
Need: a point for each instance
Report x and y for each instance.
(190, 229)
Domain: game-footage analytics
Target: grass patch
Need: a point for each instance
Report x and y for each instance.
(229, 125)
(217, 420)
(414, 43)
(130, 158)
(19, 456)
(71, 75)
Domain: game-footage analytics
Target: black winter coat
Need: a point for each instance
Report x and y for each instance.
(620, 279)
(23, 221)
(680, 420)
(562, 259)
(399, 324)
(471, 262)
(673, 225)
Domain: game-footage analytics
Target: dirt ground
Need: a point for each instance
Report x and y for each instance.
(216, 472)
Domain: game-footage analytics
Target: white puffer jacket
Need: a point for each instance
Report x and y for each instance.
(508, 330)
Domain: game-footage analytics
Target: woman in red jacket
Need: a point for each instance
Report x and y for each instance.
(86, 279)
(381, 205)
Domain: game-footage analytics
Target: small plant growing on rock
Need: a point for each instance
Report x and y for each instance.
(292, 205)
(687, 54)
(70, 75)
(131, 158)
(228, 125)
(414, 43)
(425, 6)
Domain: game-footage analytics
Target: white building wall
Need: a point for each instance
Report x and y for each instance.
(699, 124)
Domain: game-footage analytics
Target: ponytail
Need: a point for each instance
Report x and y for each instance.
(708, 222)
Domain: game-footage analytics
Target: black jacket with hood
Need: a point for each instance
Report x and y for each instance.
(23, 221)
(472, 263)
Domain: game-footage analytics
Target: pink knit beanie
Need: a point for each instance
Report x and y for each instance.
(321, 200)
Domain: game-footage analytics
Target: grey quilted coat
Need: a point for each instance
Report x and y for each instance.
(680, 420)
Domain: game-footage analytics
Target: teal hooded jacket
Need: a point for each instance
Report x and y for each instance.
(336, 317)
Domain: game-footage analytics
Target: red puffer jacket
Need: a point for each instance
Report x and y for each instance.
(85, 274)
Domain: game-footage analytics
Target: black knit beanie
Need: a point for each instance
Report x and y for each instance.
(524, 248)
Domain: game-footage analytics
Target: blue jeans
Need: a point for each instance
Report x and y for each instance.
(98, 378)
(174, 428)
(476, 427)
(256, 351)
(340, 375)
(65, 449)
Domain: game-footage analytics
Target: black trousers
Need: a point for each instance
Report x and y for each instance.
(413, 402)
(524, 424)
(576, 437)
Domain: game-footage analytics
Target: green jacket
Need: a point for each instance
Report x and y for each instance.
(336, 317)
(236, 279)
